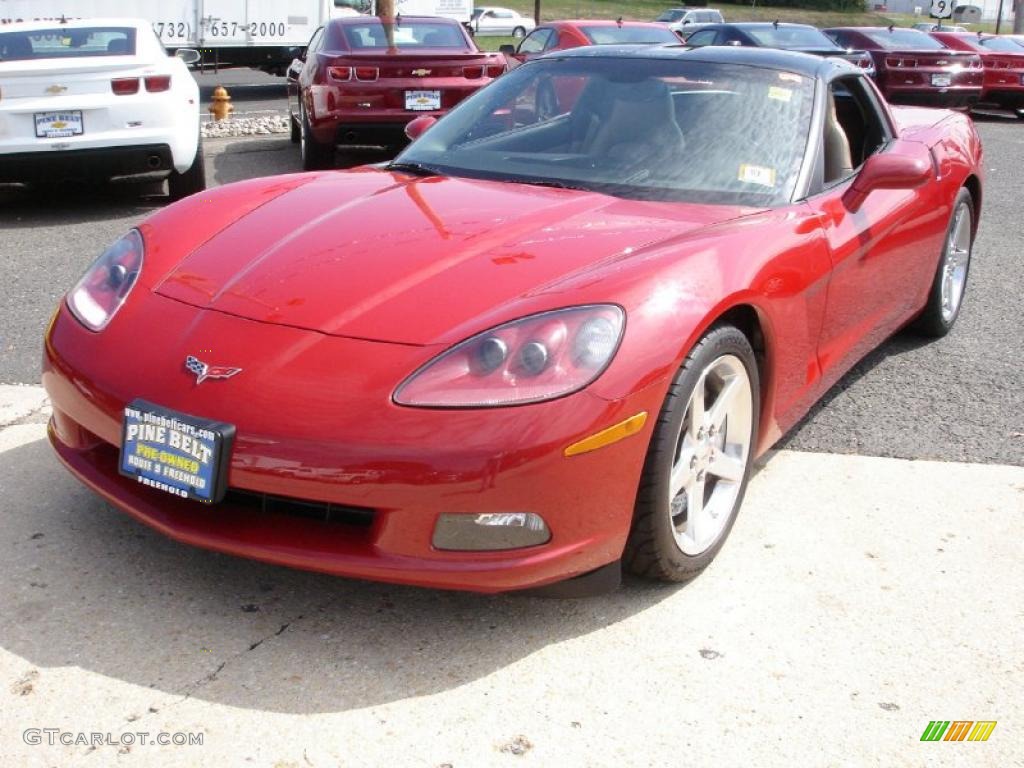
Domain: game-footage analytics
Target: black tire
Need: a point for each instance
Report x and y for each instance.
(315, 156)
(652, 550)
(519, 33)
(296, 135)
(931, 321)
(181, 185)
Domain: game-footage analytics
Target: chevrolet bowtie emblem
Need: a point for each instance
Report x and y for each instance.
(203, 371)
(53, 90)
(421, 72)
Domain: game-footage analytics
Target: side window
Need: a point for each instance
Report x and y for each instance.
(552, 41)
(536, 41)
(854, 128)
(702, 37)
(838, 37)
(731, 38)
(315, 42)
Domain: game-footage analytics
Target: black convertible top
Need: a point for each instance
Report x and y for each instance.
(804, 64)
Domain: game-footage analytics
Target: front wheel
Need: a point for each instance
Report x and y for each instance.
(699, 460)
(181, 185)
(947, 291)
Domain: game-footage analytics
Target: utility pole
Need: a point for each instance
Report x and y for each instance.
(536, 11)
(1018, 17)
(999, 16)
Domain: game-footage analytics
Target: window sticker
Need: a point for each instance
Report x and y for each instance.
(780, 94)
(757, 174)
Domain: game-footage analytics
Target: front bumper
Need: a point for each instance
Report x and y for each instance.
(77, 164)
(390, 471)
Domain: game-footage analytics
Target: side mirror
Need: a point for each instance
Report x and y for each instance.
(507, 49)
(889, 170)
(189, 55)
(419, 126)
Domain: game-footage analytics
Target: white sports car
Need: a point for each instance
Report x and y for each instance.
(96, 99)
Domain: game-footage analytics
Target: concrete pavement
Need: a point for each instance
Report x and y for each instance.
(856, 600)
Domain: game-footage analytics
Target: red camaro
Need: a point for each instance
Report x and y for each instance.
(914, 68)
(350, 88)
(534, 346)
(1004, 67)
(562, 35)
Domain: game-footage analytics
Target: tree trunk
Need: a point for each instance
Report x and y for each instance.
(1018, 17)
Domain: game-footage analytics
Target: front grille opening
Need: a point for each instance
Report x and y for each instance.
(360, 517)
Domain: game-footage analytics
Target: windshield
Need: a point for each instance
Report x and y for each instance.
(904, 39)
(671, 16)
(790, 37)
(67, 43)
(411, 34)
(652, 129)
(1001, 44)
(609, 35)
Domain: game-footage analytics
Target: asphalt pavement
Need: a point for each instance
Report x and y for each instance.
(959, 399)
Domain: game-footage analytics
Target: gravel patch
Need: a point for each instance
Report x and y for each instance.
(246, 126)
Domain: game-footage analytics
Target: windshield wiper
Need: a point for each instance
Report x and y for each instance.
(416, 169)
(555, 183)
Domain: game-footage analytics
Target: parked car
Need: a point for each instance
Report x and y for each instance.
(790, 37)
(504, 22)
(912, 67)
(349, 88)
(931, 26)
(1004, 67)
(681, 19)
(96, 99)
(562, 35)
(532, 347)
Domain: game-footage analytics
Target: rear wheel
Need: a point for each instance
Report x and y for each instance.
(948, 285)
(296, 129)
(181, 185)
(699, 460)
(315, 156)
(519, 32)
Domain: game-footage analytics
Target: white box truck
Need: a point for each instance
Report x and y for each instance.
(264, 34)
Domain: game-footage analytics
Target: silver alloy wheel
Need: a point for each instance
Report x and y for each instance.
(711, 455)
(955, 262)
(302, 130)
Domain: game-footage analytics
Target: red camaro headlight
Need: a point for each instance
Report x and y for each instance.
(535, 358)
(107, 283)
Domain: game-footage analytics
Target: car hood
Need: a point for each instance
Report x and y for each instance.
(378, 255)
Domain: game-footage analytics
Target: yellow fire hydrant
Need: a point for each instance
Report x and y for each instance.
(221, 106)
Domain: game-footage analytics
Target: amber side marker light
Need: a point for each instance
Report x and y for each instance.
(613, 434)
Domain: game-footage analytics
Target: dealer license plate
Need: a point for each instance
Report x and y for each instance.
(942, 81)
(176, 453)
(422, 101)
(58, 125)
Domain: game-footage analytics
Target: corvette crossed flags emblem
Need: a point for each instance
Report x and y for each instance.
(203, 371)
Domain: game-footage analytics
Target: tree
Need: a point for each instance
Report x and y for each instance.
(1018, 17)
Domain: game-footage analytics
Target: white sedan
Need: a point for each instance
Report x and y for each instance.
(96, 99)
(488, 20)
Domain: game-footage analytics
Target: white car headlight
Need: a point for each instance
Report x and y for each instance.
(107, 283)
(535, 358)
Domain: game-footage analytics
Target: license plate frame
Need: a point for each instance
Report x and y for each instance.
(941, 80)
(423, 100)
(167, 463)
(71, 123)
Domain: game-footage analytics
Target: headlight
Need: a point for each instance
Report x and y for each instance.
(107, 283)
(536, 358)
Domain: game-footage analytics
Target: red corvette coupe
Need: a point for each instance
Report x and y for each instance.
(914, 68)
(350, 88)
(1004, 67)
(563, 35)
(532, 347)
